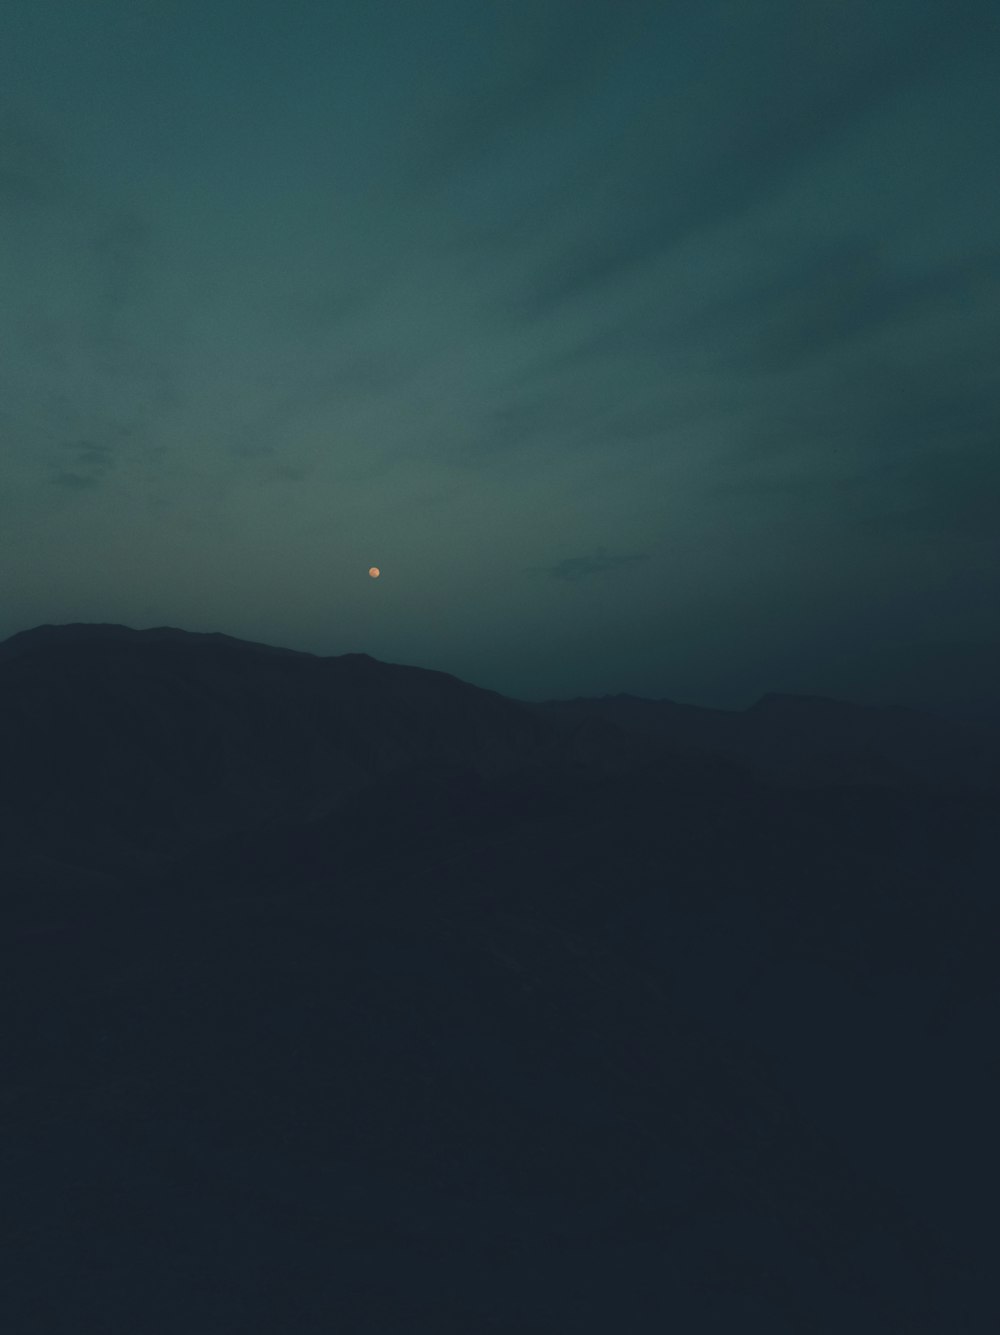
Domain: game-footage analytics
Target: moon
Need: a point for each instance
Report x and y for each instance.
(374, 572)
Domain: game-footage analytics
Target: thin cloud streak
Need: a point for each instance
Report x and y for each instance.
(597, 562)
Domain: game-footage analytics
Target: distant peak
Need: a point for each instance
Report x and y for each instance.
(84, 632)
(788, 700)
(70, 631)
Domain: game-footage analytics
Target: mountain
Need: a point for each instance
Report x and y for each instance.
(346, 995)
(808, 741)
(148, 740)
(158, 736)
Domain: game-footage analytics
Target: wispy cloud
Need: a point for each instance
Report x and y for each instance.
(597, 562)
(689, 163)
(88, 465)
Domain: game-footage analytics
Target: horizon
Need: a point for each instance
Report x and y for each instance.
(982, 720)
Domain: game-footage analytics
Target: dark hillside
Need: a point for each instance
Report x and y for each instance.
(341, 995)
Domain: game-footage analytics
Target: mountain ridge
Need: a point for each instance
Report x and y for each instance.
(332, 965)
(162, 732)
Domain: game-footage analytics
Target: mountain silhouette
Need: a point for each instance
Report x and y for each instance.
(809, 740)
(341, 994)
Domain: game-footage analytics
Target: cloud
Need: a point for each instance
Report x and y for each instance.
(541, 61)
(575, 568)
(705, 151)
(834, 296)
(90, 464)
(82, 361)
(74, 481)
(32, 174)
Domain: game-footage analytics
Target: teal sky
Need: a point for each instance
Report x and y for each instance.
(645, 347)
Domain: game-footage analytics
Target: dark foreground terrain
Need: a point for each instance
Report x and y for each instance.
(347, 997)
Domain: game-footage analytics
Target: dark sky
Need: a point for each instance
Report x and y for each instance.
(645, 347)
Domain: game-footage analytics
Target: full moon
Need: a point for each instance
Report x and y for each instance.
(374, 572)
